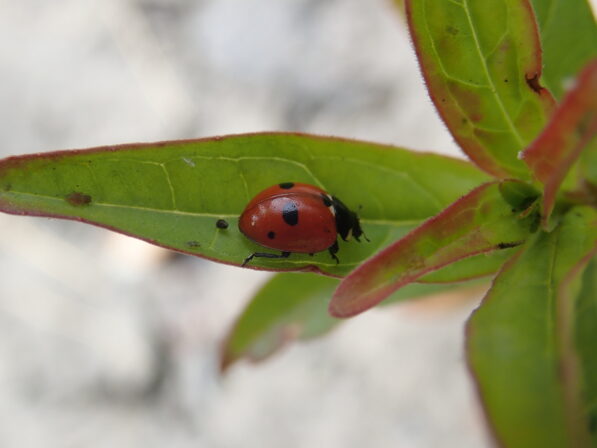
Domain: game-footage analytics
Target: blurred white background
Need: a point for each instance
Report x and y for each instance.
(106, 341)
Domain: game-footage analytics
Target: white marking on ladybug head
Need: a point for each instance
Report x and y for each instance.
(331, 207)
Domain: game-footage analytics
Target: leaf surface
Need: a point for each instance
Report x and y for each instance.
(585, 335)
(569, 40)
(522, 340)
(481, 61)
(476, 266)
(173, 193)
(480, 222)
(570, 131)
(292, 307)
(288, 307)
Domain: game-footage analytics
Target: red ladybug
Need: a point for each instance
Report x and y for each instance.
(294, 217)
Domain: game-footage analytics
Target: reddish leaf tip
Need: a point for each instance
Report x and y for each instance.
(572, 126)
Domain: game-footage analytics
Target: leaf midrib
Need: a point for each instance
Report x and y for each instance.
(509, 122)
(387, 222)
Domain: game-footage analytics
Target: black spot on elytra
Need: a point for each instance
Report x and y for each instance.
(222, 224)
(290, 213)
(78, 199)
(326, 200)
(286, 185)
(271, 234)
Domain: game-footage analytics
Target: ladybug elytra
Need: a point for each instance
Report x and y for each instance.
(295, 217)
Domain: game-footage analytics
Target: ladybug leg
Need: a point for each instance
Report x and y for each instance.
(334, 250)
(364, 236)
(265, 255)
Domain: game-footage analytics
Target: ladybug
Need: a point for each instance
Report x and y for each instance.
(294, 217)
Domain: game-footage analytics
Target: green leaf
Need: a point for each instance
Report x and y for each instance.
(571, 130)
(584, 340)
(288, 307)
(481, 60)
(568, 38)
(476, 266)
(519, 195)
(517, 340)
(480, 222)
(173, 193)
(294, 307)
(588, 168)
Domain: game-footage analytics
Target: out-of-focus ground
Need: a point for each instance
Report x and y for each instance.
(106, 341)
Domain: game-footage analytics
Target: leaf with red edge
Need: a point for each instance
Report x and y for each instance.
(480, 222)
(288, 307)
(292, 307)
(174, 193)
(481, 60)
(570, 131)
(531, 343)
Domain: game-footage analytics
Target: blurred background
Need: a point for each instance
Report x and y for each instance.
(106, 341)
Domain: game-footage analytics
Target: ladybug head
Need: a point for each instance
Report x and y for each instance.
(347, 221)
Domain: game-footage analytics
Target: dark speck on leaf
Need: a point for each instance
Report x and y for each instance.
(193, 244)
(222, 224)
(451, 30)
(509, 245)
(505, 80)
(7, 187)
(533, 82)
(78, 199)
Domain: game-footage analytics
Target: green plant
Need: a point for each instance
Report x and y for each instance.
(531, 219)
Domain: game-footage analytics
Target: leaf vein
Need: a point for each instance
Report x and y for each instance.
(396, 223)
(170, 186)
(485, 69)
